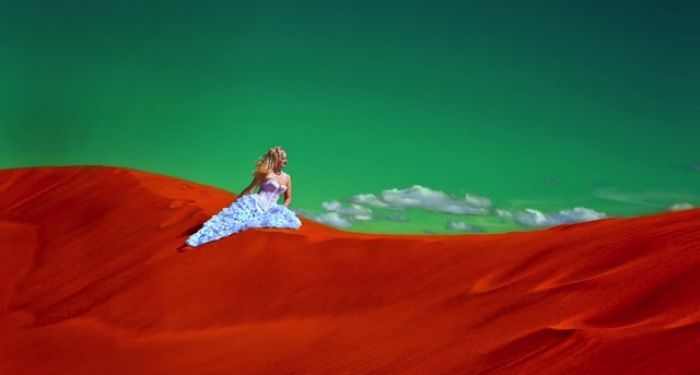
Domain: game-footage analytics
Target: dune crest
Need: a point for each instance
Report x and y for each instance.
(91, 282)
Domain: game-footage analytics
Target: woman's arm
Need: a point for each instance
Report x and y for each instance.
(256, 181)
(288, 192)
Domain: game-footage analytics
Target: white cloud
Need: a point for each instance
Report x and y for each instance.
(477, 201)
(432, 200)
(331, 206)
(354, 212)
(681, 206)
(336, 215)
(647, 198)
(330, 218)
(334, 219)
(535, 219)
(462, 226)
(369, 200)
(531, 218)
(504, 214)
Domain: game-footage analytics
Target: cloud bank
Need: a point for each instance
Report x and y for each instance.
(361, 207)
(533, 218)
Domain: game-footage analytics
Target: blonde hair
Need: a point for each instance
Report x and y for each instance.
(268, 160)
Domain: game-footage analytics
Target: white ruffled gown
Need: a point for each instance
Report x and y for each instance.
(258, 210)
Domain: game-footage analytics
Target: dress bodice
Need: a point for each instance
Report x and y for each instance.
(269, 192)
(272, 186)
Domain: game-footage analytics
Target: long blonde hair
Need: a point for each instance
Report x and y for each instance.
(268, 160)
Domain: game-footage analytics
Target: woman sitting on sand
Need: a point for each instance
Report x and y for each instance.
(260, 209)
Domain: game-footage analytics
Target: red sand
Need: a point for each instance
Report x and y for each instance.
(91, 282)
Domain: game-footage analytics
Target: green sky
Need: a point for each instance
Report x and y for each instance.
(533, 108)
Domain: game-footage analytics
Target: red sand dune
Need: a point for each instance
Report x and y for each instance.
(91, 282)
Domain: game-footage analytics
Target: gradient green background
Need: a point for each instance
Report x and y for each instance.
(537, 106)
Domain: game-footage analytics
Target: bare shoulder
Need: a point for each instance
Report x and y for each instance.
(287, 178)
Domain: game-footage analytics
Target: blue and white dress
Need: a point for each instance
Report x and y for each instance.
(258, 210)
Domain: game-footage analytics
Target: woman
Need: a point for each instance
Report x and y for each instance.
(254, 210)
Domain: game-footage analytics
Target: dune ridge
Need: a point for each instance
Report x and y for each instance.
(91, 281)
